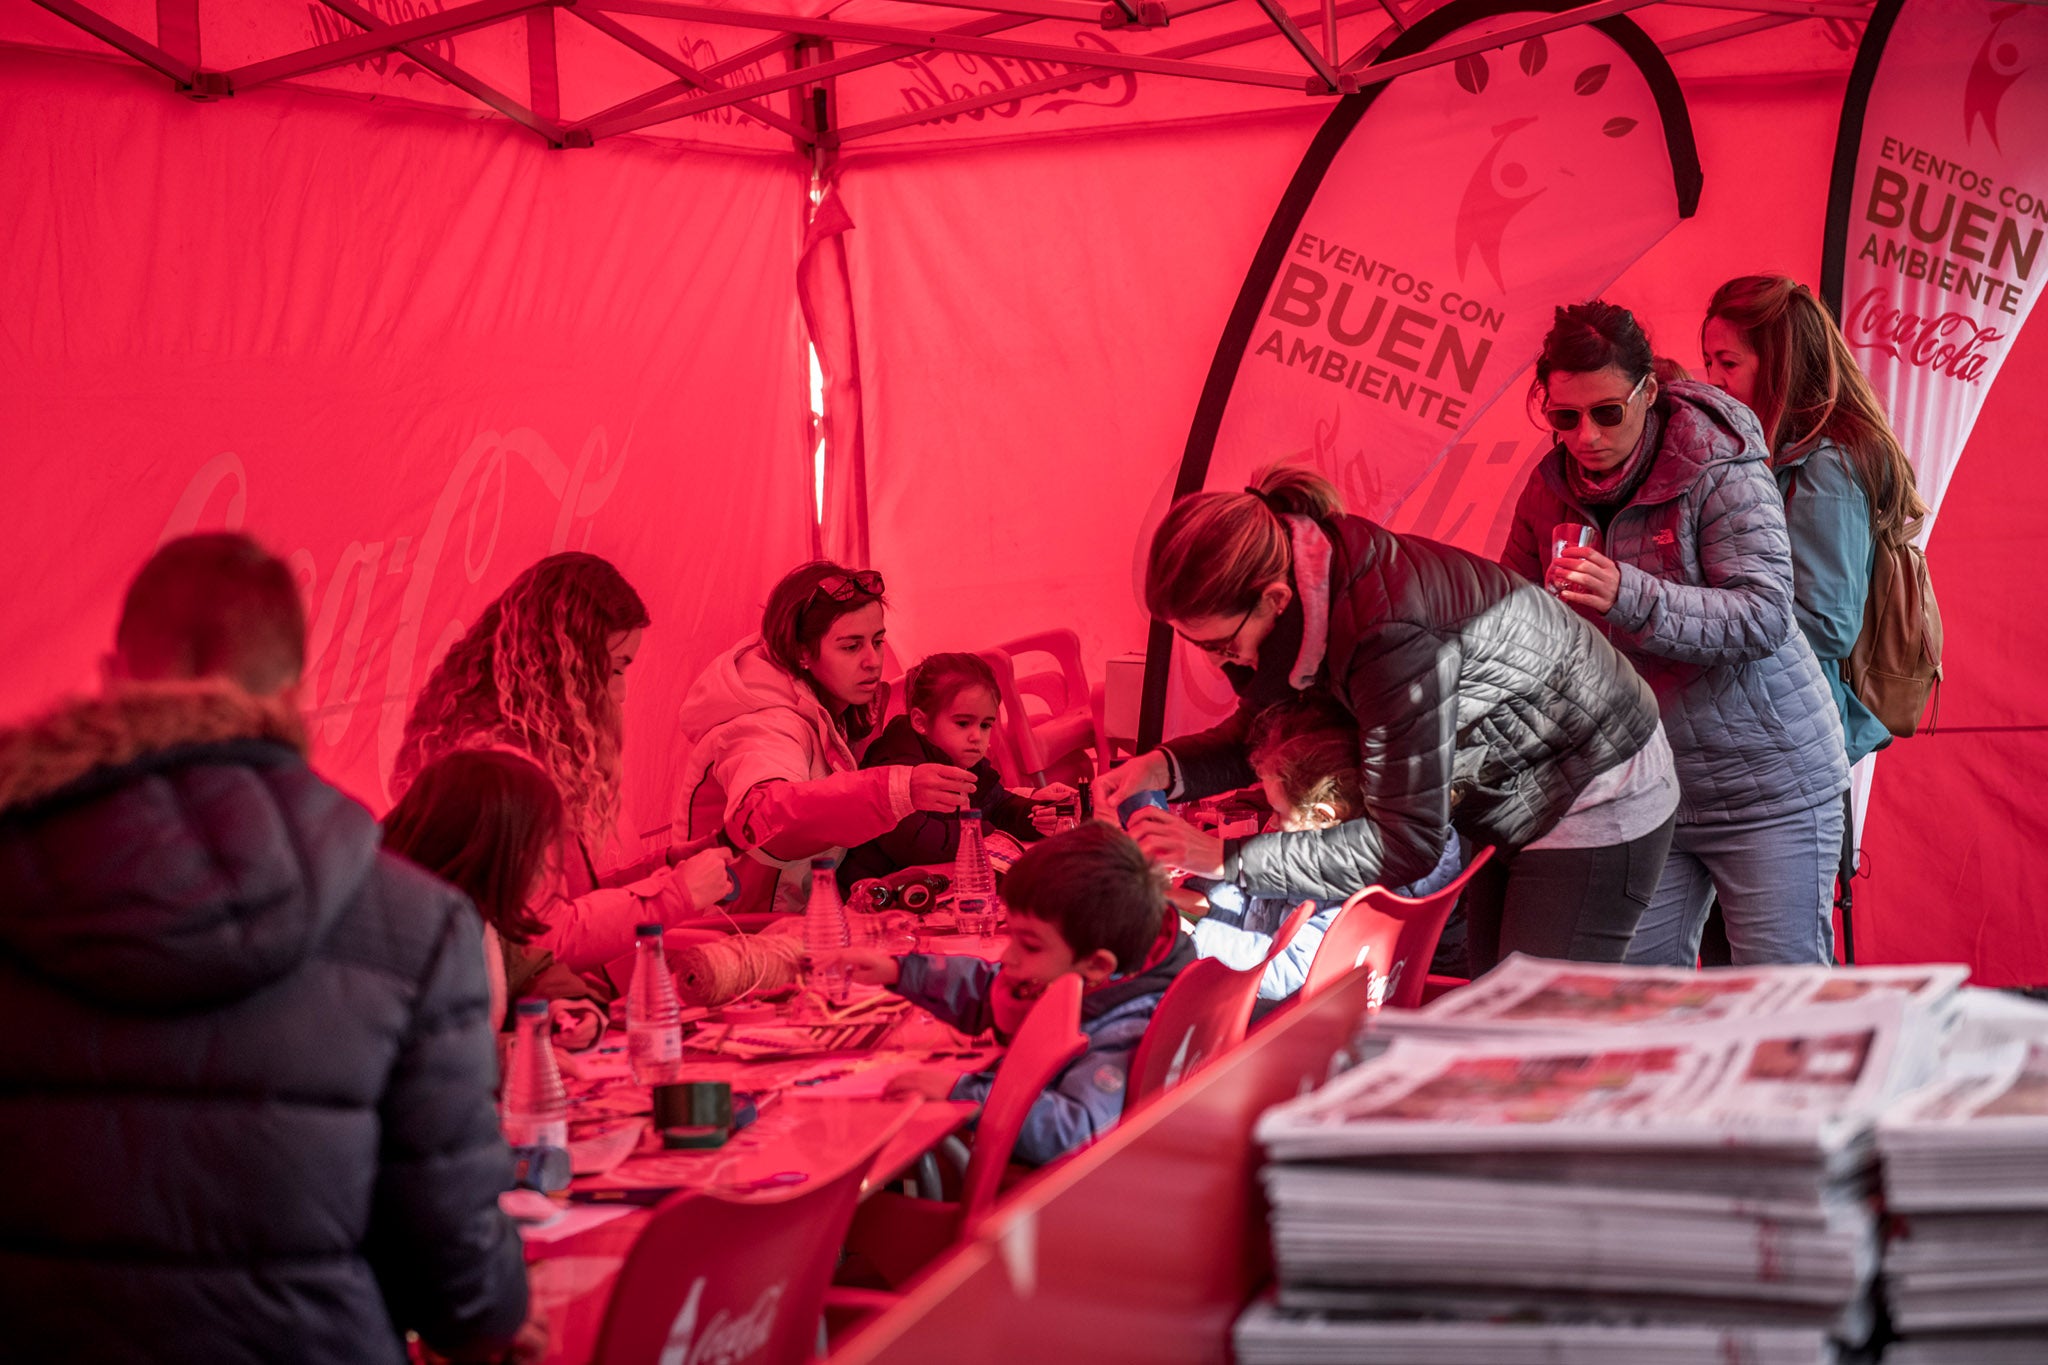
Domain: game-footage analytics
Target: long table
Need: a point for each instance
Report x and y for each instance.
(817, 1111)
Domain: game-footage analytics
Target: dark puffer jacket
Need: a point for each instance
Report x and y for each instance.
(245, 1095)
(1480, 701)
(1705, 611)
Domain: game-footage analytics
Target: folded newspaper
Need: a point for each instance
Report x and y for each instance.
(1966, 1182)
(1808, 1082)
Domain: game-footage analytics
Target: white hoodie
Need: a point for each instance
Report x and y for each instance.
(766, 765)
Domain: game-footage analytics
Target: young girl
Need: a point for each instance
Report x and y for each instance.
(951, 719)
(771, 730)
(543, 671)
(485, 821)
(1305, 754)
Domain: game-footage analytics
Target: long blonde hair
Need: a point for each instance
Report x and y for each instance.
(534, 672)
(1215, 551)
(1808, 387)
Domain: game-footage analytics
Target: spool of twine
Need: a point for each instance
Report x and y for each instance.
(744, 964)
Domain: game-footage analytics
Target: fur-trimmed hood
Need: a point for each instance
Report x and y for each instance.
(165, 847)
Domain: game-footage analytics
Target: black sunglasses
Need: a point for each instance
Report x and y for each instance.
(1603, 414)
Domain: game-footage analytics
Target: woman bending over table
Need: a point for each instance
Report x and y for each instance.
(773, 730)
(1483, 707)
(543, 672)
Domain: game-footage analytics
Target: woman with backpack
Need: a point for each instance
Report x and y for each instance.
(1769, 342)
(1692, 580)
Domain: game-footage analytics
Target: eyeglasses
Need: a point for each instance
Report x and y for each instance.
(1220, 649)
(850, 587)
(1603, 414)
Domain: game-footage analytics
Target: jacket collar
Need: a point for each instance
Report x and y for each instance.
(131, 723)
(1150, 980)
(1702, 427)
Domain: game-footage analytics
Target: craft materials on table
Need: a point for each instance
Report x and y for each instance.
(738, 966)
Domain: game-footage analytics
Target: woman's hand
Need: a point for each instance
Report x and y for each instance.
(1585, 578)
(706, 878)
(576, 1023)
(940, 788)
(1172, 842)
(1145, 773)
(1045, 813)
(865, 966)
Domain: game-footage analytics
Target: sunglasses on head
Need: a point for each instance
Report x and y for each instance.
(850, 587)
(1603, 414)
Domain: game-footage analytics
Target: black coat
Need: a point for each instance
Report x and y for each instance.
(922, 839)
(1481, 701)
(245, 1094)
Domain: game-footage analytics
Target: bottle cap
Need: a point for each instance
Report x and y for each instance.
(528, 1009)
(824, 864)
(647, 930)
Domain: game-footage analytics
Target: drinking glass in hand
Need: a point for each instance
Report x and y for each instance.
(1567, 533)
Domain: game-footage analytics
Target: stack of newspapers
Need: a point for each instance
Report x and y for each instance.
(1567, 1163)
(1966, 1184)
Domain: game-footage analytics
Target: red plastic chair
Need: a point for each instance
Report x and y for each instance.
(1204, 1013)
(1393, 935)
(896, 1235)
(753, 1270)
(1065, 716)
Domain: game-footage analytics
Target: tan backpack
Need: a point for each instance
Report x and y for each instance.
(1895, 667)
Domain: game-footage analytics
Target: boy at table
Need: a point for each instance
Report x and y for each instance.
(1088, 902)
(252, 1118)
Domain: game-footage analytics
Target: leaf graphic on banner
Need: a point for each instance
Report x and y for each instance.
(1471, 72)
(1534, 54)
(1589, 81)
(1617, 127)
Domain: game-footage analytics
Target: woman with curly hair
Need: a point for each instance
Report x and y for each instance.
(773, 728)
(543, 672)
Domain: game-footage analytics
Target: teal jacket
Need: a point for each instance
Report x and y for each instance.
(1833, 554)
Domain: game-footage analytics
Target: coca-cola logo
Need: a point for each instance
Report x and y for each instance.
(728, 1338)
(941, 78)
(324, 25)
(1949, 344)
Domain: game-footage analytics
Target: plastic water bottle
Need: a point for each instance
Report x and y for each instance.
(654, 1031)
(826, 931)
(535, 1110)
(974, 881)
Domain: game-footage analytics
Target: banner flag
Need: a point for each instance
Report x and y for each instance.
(1409, 273)
(1937, 211)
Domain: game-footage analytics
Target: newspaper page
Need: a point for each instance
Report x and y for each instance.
(1810, 1080)
(1531, 992)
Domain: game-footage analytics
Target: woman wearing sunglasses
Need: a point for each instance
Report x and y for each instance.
(1484, 709)
(772, 731)
(1694, 584)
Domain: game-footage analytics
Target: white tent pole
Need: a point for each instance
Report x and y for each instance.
(119, 38)
(379, 38)
(689, 75)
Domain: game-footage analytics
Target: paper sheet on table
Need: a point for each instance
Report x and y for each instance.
(575, 1218)
(598, 1150)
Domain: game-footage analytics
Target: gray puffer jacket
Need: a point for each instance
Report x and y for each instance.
(1705, 611)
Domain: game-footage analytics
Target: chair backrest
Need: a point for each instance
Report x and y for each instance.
(1066, 718)
(723, 1278)
(1047, 1043)
(1204, 1013)
(1393, 935)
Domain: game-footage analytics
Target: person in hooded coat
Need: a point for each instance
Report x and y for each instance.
(246, 1110)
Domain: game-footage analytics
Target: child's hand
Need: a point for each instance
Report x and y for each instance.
(1045, 812)
(1191, 904)
(1173, 842)
(865, 966)
(924, 1082)
(1009, 1000)
(940, 788)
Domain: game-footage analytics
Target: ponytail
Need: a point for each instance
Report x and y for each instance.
(1215, 552)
